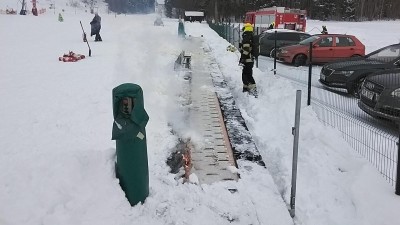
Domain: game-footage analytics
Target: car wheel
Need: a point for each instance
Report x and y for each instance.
(355, 56)
(272, 53)
(300, 60)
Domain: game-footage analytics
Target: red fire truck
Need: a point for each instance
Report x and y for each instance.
(293, 19)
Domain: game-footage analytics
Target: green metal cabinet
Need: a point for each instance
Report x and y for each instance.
(130, 119)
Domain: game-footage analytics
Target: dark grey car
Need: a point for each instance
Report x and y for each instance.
(380, 95)
(349, 74)
(283, 38)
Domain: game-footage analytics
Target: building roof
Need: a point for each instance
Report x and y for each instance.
(194, 13)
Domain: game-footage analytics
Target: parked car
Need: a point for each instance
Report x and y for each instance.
(283, 38)
(380, 95)
(350, 74)
(325, 48)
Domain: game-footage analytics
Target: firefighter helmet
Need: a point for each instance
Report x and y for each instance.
(248, 27)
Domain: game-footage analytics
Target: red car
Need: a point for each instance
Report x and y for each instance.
(326, 48)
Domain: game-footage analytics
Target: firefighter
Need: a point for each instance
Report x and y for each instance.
(95, 27)
(324, 30)
(181, 28)
(271, 26)
(247, 60)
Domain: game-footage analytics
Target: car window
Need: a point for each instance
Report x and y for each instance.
(263, 38)
(293, 37)
(351, 41)
(344, 41)
(303, 36)
(341, 41)
(290, 26)
(325, 42)
(309, 40)
(281, 36)
(271, 36)
(387, 54)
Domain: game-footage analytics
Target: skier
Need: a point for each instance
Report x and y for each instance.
(324, 30)
(247, 60)
(95, 27)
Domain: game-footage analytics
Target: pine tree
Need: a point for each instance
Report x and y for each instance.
(348, 10)
(168, 8)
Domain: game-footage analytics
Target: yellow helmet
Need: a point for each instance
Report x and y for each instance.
(248, 27)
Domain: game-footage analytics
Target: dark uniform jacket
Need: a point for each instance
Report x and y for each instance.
(246, 48)
(95, 25)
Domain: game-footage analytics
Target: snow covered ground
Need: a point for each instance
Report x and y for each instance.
(57, 157)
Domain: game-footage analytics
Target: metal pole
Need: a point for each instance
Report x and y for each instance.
(397, 192)
(228, 31)
(309, 75)
(275, 53)
(256, 58)
(295, 132)
(256, 29)
(232, 34)
(23, 9)
(239, 36)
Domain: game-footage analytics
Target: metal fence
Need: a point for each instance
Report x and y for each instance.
(230, 32)
(373, 138)
(376, 143)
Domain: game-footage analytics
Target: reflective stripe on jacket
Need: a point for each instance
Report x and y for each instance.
(246, 47)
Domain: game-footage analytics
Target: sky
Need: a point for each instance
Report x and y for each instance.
(57, 156)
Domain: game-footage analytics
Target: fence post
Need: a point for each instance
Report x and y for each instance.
(309, 75)
(226, 31)
(256, 58)
(275, 52)
(240, 36)
(232, 40)
(295, 132)
(397, 192)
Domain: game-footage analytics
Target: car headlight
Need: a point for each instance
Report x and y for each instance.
(345, 72)
(283, 51)
(396, 93)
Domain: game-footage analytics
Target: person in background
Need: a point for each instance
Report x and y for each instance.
(271, 26)
(247, 60)
(60, 18)
(181, 28)
(95, 27)
(324, 30)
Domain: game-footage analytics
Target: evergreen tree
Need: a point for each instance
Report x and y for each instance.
(352, 10)
(323, 9)
(131, 6)
(168, 8)
(348, 10)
